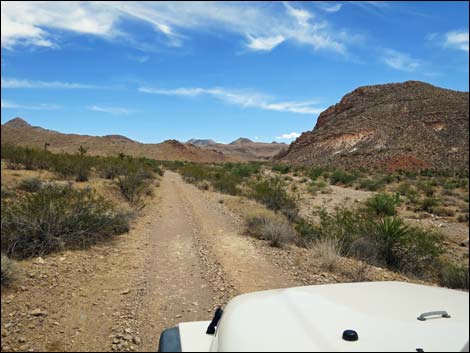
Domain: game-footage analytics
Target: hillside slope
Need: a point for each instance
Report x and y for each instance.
(410, 125)
(18, 131)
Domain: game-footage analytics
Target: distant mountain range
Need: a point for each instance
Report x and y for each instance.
(409, 125)
(242, 148)
(18, 131)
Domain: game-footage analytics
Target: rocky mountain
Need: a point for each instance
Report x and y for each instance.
(201, 142)
(409, 125)
(243, 149)
(18, 131)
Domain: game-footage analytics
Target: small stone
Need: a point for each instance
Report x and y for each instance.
(178, 316)
(38, 312)
(126, 291)
(22, 340)
(127, 337)
(136, 340)
(40, 261)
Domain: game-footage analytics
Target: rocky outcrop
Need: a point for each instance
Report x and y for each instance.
(410, 125)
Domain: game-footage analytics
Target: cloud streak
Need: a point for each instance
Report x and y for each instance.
(261, 26)
(400, 61)
(110, 110)
(24, 83)
(11, 105)
(241, 98)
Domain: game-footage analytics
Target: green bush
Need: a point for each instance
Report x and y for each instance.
(227, 184)
(315, 172)
(272, 194)
(371, 184)
(30, 184)
(340, 176)
(57, 218)
(428, 204)
(281, 168)
(133, 186)
(454, 276)
(409, 191)
(409, 249)
(382, 205)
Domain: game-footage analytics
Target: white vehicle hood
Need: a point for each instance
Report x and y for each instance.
(313, 318)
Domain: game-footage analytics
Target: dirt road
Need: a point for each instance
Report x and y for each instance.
(185, 256)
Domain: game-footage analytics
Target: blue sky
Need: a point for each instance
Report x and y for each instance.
(220, 70)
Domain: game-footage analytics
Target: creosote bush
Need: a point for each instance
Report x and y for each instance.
(30, 184)
(382, 204)
(57, 218)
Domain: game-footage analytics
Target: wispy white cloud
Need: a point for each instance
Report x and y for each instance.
(264, 44)
(290, 136)
(329, 6)
(400, 61)
(111, 110)
(457, 40)
(11, 105)
(247, 99)
(262, 25)
(139, 58)
(24, 83)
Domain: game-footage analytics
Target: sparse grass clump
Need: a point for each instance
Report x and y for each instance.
(30, 184)
(8, 270)
(57, 218)
(328, 252)
(269, 227)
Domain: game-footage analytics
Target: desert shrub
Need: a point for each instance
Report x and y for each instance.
(57, 218)
(281, 168)
(246, 170)
(409, 191)
(426, 187)
(340, 176)
(203, 185)
(404, 248)
(82, 169)
(382, 205)
(328, 252)
(272, 194)
(371, 184)
(8, 270)
(133, 186)
(307, 232)
(429, 203)
(108, 170)
(194, 172)
(275, 229)
(463, 217)
(30, 184)
(64, 166)
(7, 192)
(455, 276)
(383, 241)
(227, 184)
(443, 212)
(315, 172)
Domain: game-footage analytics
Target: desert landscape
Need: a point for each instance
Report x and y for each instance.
(186, 236)
(204, 176)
